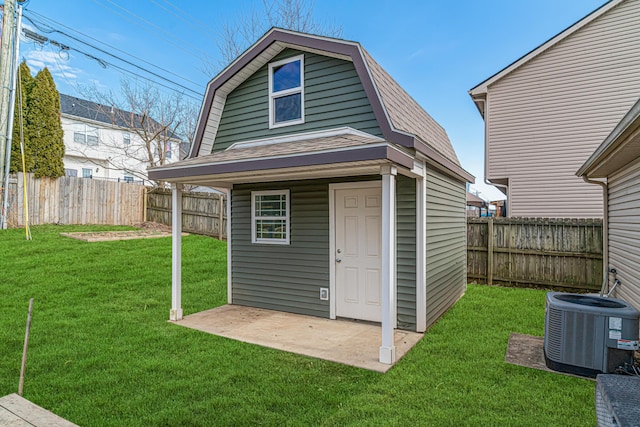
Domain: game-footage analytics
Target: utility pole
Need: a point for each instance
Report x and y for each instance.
(12, 104)
(6, 66)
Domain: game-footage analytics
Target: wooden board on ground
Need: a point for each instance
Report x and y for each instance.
(18, 411)
(105, 236)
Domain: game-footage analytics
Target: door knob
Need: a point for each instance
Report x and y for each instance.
(338, 259)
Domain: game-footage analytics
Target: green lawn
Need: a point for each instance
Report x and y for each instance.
(103, 354)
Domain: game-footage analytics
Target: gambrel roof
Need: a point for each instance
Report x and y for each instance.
(478, 93)
(401, 119)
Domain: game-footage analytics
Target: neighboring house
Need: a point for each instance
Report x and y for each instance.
(615, 165)
(347, 198)
(476, 206)
(100, 144)
(546, 112)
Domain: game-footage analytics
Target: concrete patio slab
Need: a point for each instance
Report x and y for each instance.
(343, 341)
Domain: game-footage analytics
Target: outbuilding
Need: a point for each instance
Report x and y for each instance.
(346, 198)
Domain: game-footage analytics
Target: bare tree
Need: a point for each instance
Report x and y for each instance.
(188, 116)
(156, 122)
(236, 35)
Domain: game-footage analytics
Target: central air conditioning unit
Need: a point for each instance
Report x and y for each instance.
(587, 335)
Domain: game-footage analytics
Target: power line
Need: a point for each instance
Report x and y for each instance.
(158, 30)
(111, 55)
(42, 17)
(105, 63)
(187, 19)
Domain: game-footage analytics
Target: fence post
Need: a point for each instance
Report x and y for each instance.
(144, 203)
(490, 251)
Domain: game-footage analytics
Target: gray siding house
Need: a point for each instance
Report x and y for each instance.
(549, 110)
(347, 198)
(615, 166)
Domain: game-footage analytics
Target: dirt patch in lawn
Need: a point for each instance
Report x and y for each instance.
(146, 230)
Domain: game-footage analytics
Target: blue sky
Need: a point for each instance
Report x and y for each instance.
(436, 49)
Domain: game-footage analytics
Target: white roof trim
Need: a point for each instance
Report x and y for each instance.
(303, 137)
(483, 87)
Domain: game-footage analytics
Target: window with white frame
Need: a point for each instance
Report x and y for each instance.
(167, 150)
(127, 178)
(270, 217)
(286, 92)
(126, 138)
(85, 134)
(87, 173)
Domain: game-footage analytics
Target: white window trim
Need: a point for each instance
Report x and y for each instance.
(273, 96)
(287, 218)
(86, 131)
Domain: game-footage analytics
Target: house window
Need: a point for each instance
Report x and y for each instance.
(79, 137)
(126, 138)
(85, 134)
(87, 173)
(127, 178)
(167, 150)
(71, 172)
(286, 92)
(270, 217)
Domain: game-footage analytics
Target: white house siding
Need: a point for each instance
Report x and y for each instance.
(107, 159)
(546, 117)
(624, 231)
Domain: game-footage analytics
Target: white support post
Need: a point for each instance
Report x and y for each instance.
(176, 252)
(229, 260)
(388, 348)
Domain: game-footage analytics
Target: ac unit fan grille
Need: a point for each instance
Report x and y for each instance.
(554, 330)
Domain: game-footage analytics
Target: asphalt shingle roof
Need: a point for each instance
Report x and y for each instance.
(85, 109)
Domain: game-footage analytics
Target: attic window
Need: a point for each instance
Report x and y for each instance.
(286, 92)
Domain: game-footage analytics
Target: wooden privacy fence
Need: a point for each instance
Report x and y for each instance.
(71, 200)
(535, 251)
(202, 213)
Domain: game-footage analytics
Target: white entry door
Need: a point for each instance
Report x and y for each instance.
(358, 249)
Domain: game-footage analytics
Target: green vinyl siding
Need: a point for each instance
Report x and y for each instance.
(333, 94)
(406, 252)
(284, 277)
(446, 243)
